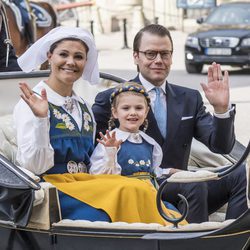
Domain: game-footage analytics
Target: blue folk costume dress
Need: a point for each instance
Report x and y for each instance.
(138, 157)
(138, 153)
(136, 160)
(72, 147)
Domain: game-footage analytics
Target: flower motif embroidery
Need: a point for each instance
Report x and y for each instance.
(130, 161)
(65, 118)
(87, 119)
(70, 126)
(86, 126)
(139, 163)
(57, 114)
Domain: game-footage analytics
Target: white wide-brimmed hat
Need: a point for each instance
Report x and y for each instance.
(37, 53)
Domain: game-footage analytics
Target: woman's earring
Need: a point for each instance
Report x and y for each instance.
(145, 125)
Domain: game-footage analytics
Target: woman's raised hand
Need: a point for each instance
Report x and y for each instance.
(38, 104)
(109, 140)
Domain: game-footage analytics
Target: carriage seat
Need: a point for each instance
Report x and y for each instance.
(8, 143)
(46, 208)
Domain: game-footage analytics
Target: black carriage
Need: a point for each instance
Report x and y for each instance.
(30, 212)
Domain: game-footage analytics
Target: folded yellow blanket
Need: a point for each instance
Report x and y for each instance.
(122, 198)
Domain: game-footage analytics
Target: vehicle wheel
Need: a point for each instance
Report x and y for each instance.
(193, 68)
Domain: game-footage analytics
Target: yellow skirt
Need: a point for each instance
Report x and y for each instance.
(122, 198)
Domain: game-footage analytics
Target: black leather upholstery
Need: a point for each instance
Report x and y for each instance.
(16, 194)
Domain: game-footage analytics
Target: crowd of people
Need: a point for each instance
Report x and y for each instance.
(143, 127)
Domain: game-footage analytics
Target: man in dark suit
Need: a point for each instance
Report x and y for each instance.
(185, 119)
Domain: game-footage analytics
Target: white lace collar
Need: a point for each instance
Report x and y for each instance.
(53, 96)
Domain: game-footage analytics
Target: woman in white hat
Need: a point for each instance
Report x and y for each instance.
(55, 127)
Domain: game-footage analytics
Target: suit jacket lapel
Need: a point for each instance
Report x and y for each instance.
(174, 113)
(136, 79)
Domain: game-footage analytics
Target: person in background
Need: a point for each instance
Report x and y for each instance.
(176, 117)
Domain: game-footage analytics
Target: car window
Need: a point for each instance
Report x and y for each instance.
(230, 14)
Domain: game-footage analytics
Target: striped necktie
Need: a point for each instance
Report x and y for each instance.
(160, 112)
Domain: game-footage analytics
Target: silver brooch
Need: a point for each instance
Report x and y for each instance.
(68, 104)
(136, 137)
(82, 168)
(74, 168)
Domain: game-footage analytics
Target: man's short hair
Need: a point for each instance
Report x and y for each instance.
(154, 29)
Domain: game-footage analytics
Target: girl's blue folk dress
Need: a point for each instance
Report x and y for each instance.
(139, 156)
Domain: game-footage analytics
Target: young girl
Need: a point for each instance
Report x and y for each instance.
(127, 150)
(130, 150)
